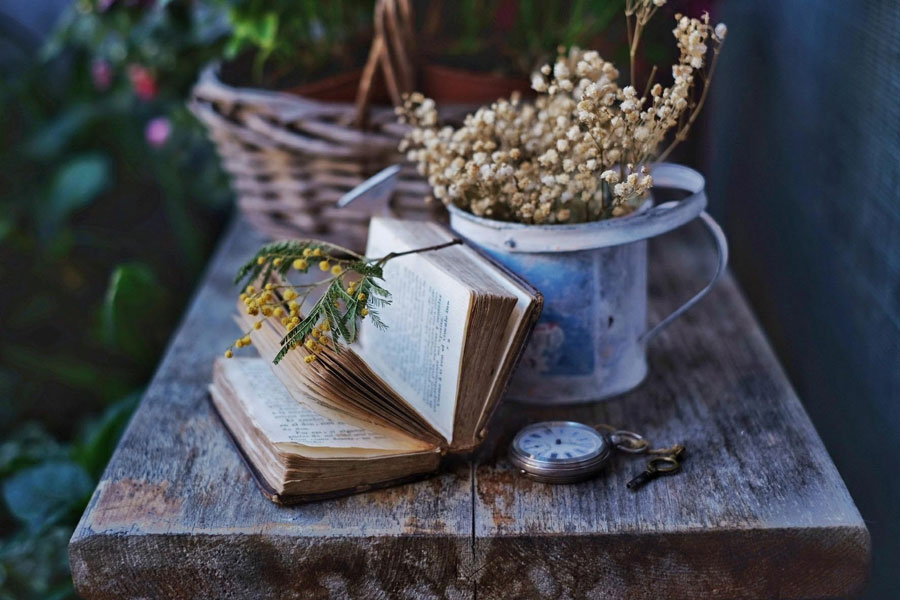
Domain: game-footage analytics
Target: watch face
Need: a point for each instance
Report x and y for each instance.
(559, 442)
(559, 451)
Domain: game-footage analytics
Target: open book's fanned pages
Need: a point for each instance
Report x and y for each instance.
(529, 304)
(385, 409)
(298, 455)
(340, 386)
(467, 318)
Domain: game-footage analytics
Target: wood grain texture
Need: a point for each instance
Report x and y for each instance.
(759, 511)
(177, 515)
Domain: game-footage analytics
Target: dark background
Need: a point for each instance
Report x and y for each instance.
(800, 144)
(803, 165)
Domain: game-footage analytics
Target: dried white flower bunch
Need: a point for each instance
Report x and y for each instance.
(580, 151)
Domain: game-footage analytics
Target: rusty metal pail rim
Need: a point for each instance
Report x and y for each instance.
(647, 222)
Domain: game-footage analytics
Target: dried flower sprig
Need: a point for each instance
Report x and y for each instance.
(350, 292)
(637, 14)
(581, 151)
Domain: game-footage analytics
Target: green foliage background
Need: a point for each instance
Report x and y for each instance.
(102, 236)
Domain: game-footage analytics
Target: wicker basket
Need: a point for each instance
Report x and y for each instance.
(290, 158)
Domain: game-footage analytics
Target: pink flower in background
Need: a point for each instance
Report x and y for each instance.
(142, 82)
(158, 131)
(101, 74)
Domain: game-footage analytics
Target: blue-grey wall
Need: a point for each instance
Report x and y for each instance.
(803, 162)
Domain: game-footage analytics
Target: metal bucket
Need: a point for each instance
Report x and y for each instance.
(590, 342)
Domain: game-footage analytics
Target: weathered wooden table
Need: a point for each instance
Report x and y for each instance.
(758, 512)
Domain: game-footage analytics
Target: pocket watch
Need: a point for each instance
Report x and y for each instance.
(567, 452)
(559, 451)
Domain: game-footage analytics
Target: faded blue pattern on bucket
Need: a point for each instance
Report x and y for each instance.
(567, 283)
(585, 345)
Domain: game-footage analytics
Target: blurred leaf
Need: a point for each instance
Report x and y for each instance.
(134, 302)
(233, 47)
(268, 30)
(99, 437)
(36, 566)
(43, 495)
(53, 137)
(29, 445)
(74, 186)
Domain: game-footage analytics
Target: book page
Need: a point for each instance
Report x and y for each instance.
(284, 420)
(419, 353)
(524, 302)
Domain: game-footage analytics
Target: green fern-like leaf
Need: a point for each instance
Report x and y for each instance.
(278, 258)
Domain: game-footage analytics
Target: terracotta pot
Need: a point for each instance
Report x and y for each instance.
(460, 86)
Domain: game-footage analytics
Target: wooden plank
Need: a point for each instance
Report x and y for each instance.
(177, 515)
(758, 512)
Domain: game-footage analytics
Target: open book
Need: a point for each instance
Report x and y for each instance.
(387, 408)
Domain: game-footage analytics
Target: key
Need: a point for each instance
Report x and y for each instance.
(659, 465)
(642, 479)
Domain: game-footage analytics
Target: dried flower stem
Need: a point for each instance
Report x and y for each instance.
(392, 255)
(649, 81)
(682, 133)
(642, 11)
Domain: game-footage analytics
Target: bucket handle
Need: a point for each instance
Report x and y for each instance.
(721, 243)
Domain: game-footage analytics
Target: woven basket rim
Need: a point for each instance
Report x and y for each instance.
(210, 83)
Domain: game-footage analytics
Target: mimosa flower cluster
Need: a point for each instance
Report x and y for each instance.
(581, 151)
(349, 291)
(346, 293)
